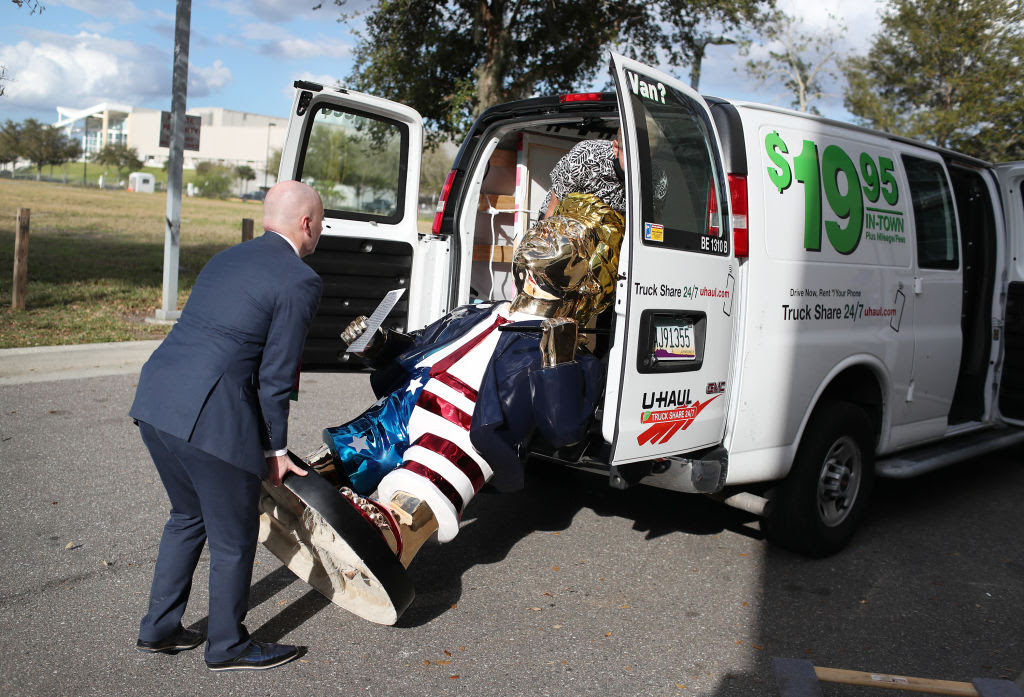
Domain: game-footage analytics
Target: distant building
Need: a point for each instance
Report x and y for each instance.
(226, 136)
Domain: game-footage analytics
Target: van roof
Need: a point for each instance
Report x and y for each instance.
(945, 152)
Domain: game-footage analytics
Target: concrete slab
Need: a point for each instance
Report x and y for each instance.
(46, 363)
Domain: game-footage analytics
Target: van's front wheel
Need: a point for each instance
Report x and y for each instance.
(819, 505)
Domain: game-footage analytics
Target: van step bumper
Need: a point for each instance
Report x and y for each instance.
(911, 463)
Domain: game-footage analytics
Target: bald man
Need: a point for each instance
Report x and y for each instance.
(212, 408)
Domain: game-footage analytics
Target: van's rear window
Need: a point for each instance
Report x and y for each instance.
(357, 162)
(680, 188)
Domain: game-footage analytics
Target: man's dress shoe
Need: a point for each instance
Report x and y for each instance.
(181, 640)
(259, 656)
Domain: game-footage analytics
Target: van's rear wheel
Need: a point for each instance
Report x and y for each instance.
(820, 504)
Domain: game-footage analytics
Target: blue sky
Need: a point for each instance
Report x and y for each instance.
(245, 54)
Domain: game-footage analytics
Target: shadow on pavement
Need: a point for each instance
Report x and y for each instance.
(932, 586)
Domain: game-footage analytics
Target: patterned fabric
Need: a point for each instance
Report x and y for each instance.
(423, 429)
(588, 169)
(456, 407)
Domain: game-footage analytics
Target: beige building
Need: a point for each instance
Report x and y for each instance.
(226, 136)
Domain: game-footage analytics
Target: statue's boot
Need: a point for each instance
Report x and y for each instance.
(351, 548)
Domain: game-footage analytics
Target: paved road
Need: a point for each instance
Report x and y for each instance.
(568, 588)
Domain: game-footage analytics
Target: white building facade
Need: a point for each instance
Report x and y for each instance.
(227, 137)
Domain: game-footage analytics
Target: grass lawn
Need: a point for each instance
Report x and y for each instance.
(73, 173)
(95, 259)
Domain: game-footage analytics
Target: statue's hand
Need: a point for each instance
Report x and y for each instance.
(557, 341)
(354, 330)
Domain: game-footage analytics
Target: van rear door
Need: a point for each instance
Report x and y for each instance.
(362, 154)
(1011, 382)
(669, 366)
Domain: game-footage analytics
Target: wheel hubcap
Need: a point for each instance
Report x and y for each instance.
(839, 482)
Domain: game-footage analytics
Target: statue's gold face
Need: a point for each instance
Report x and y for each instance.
(553, 259)
(565, 265)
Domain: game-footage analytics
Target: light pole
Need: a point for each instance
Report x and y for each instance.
(266, 155)
(85, 154)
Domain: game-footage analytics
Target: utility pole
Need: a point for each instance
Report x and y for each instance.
(172, 228)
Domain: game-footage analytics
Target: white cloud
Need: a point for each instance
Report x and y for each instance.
(209, 79)
(304, 48)
(261, 31)
(724, 70)
(124, 10)
(98, 27)
(78, 71)
(270, 40)
(860, 18)
(270, 10)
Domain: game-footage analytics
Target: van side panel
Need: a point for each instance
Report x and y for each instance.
(830, 288)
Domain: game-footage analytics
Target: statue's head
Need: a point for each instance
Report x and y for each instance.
(565, 265)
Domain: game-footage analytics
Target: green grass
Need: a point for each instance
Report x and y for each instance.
(95, 260)
(72, 173)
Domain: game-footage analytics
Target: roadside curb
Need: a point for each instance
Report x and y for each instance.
(46, 363)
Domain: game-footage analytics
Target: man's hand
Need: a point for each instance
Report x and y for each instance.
(279, 466)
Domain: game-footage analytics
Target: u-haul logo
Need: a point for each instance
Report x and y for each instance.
(667, 398)
(667, 422)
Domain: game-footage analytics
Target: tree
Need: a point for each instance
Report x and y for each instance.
(72, 151)
(213, 179)
(434, 167)
(451, 60)
(34, 6)
(119, 156)
(949, 73)
(801, 62)
(246, 174)
(691, 26)
(274, 161)
(9, 143)
(43, 145)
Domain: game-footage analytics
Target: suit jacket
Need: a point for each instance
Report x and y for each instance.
(516, 397)
(222, 377)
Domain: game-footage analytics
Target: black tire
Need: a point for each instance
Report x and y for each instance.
(820, 504)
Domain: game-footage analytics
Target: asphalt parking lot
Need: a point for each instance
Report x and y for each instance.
(566, 588)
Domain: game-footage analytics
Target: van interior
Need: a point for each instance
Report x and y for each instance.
(513, 178)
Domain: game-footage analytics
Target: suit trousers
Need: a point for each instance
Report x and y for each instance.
(210, 500)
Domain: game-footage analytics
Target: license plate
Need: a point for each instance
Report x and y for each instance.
(674, 342)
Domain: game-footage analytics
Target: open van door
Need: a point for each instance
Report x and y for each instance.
(669, 366)
(1011, 382)
(362, 154)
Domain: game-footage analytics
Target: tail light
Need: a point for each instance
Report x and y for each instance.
(738, 220)
(443, 201)
(580, 97)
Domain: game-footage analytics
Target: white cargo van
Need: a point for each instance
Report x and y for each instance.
(809, 304)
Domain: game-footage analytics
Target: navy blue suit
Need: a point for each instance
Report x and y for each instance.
(210, 400)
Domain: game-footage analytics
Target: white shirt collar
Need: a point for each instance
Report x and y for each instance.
(290, 243)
